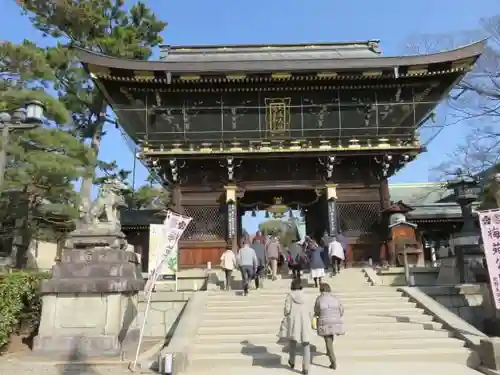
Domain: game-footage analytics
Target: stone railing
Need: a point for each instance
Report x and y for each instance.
(183, 336)
(471, 302)
(459, 327)
(164, 312)
(486, 355)
(395, 276)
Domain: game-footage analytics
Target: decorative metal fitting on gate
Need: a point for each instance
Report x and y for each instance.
(329, 162)
(174, 170)
(88, 257)
(230, 166)
(404, 159)
(385, 164)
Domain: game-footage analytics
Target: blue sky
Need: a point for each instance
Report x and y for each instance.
(296, 21)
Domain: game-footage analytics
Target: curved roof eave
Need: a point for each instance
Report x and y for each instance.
(473, 50)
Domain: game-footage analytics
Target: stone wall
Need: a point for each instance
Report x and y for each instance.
(41, 255)
(395, 276)
(469, 301)
(163, 314)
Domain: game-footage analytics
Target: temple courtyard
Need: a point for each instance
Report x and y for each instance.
(351, 368)
(390, 330)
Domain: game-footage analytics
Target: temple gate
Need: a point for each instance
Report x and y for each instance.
(321, 127)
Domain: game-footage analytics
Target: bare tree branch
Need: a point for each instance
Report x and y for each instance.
(474, 102)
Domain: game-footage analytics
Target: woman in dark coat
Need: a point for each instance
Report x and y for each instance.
(258, 244)
(316, 262)
(297, 259)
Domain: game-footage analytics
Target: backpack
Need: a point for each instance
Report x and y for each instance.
(303, 260)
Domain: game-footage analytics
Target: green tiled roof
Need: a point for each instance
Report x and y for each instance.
(420, 194)
(430, 200)
(438, 210)
(140, 218)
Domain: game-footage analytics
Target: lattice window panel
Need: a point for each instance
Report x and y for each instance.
(358, 218)
(209, 223)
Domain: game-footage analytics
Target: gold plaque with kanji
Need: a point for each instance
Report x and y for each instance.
(278, 115)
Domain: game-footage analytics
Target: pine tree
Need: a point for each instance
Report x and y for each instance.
(44, 162)
(104, 26)
(146, 196)
(24, 75)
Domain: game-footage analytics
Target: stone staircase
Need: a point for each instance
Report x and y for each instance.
(381, 325)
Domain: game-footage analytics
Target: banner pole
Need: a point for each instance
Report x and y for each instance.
(143, 326)
(177, 268)
(154, 275)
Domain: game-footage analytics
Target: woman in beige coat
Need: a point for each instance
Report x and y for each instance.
(329, 311)
(296, 324)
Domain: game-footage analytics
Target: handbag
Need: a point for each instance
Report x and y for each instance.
(283, 331)
(314, 322)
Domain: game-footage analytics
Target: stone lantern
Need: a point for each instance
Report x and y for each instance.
(466, 243)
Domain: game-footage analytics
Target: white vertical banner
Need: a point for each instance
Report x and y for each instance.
(168, 236)
(490, 231)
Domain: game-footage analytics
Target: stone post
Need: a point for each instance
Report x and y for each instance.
(489, 353)
(90, 303)
(232, 216)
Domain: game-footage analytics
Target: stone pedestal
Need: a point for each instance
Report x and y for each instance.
(90, 304)
(448, 272)
(414, 257)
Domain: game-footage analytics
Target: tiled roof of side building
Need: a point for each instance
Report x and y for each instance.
(428, 199)
(138, 218)
(420, 194)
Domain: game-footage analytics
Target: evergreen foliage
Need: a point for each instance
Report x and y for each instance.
(43, 162)
(104, 26)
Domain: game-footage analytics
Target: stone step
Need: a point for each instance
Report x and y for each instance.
(309, 283)
(277, 308)
(279, 301)
(342, 344)
(344, 296)
(341, 293)
(265, 318)
(389, 309)
(224, 360)
(235, 337)
(273, 327)
(353, 367)
(348, 274)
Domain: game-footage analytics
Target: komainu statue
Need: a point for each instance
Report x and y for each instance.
(104, 209)
(491, 193)
(495, 189)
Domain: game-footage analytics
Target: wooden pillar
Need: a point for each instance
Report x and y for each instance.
(331, 199)
(333, 219)
(177, 198)
(385, 202)
(232, 217)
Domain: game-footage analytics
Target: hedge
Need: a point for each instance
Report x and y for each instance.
(20, 303)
